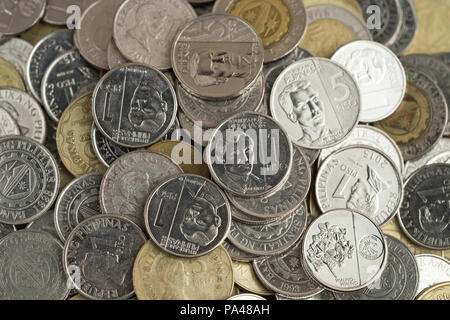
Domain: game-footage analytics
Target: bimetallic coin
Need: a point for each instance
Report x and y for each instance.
(9, 76)
(158, 275)
(217, 56)
(440, 291)
(42, 56)
(17, 52)
(17, 16)
(238, 155)
(134, 105)
(31, 267)
(245, 277)
(56, 11)
(187, 216)
(103, 249)
(408, 28)
(349, 5)
(246, 296)
(115, 58)
(280, 24)
(360, 259)
(44, 223)
(130, 180)
(144, 30)
(399, 281)
(237, 254)
(317, 101)
(423, 214)
(8, 126)
(379, 74)
(432, 270)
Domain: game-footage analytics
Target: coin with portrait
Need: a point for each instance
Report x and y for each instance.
(17, 16)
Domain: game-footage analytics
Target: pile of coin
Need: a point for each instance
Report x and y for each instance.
(236, 149)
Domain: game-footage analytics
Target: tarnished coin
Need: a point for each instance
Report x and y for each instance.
(280, 24)
(285, 200)
(399, 281)
(344, 251)
(432, 270)
(424, 211)
(100, 251)
(238, 155)
(188, 216)
(77, 202)
(129, 181)
(44, 223)
(379, 74)
(31, 267)
(17, 16)
(245, 277)
(115, 57)
(9, 76)
(408, 28)
(134, 105)
(158, 275)
(8, 126)
(444, 56)
(144, 30)
(270, 239)
(6, 229)
(247, 297)
(17, 52)
(317, 101)
(237, 254)
(418, 124)
(42, 56)
(57, 10)
(217, 56)
(440, 291)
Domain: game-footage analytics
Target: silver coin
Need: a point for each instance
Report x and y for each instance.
(379, 75)
(344, 250)
(372, 137)
(324, 295)
(29, 180)
(423, 214)
(78, 201)
(6, 229)
(444, 56)
(187, 216)
(399, 281)
(17, 16)
(213, 112)
(134, 105)
(443, 157)
(130, 180)
(63, 77)
(115, 58)
(285, 200)
(433, 269)
(89, 87)
(246, 296)
(43, 54)
(238, 155)
(408, 29)
(25, 111)
(56, 11)
(174, 133)
(7, 124)
(217, 56)
(199, 136)
(317, 102)
(45, 223)
(285, 275)
(360, 178)
(270, 239)
(243, 217)
(31, 267)
(144, 30)
(237, 254)
(102, 249)
(16, 51)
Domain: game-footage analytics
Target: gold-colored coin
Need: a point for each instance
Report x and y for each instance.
(73, 138)
(189, 158)
(158, 275)
(39, 31)
(245, 277)
(440, 291)
(350, 5)
(392, 228)
(434, 23)
(9, 76)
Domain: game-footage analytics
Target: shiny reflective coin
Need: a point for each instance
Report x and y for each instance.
(241, 216)
(57, 10)
(187, 216)
(144, 30)
(32, 268)
(432, 270)
(409, 26)
(19, 15)
(440, 158)
(360, 178)
(317, 102)
(63, 77)
(9, 76)
(213, 112)
(245, 277)
(129, 181)
(382, 85)
(7, 124)
(115, 58)
(237, 254)
(134, 105)
(439, 291)
(284, 274)
(77, 202)
(217, 56)
(44, 223)
(280, 24)
(344, 250)
(158, 275)
(272, 238)
(101, 251)
(17, 52)
(399, 281)
(286, 199)
(418, 124)
(238, 155)
(42, 56)
(246, 296)
(423, 214)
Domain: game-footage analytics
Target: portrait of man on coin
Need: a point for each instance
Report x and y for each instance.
(433, 216)
(133, 191)
(368, 66)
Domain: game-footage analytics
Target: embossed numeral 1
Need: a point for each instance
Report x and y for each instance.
(339, 85)
(339, 191)
(158, 221)
(107, 108)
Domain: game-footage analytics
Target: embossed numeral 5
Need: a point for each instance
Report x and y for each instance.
(339, 85)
